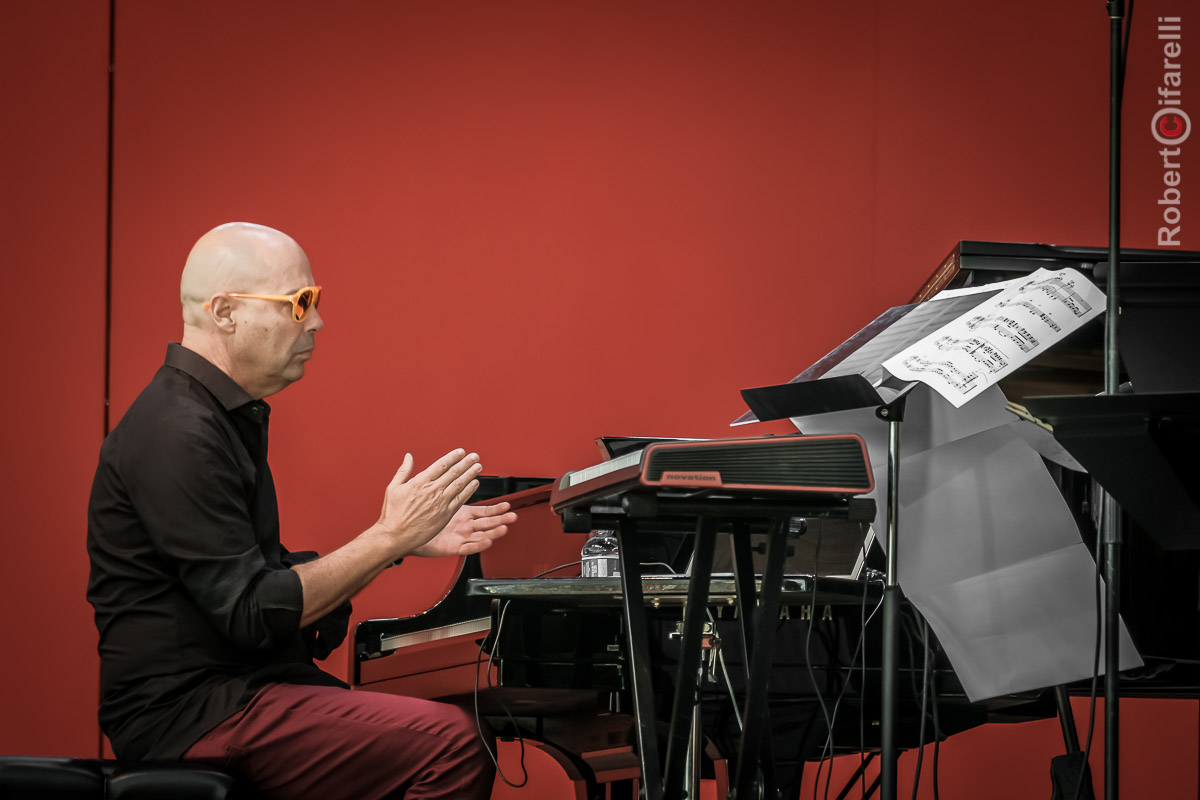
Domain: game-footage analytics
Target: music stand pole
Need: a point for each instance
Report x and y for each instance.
(893, 415)
(1111, 524)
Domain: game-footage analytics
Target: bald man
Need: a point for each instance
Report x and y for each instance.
(208, 625)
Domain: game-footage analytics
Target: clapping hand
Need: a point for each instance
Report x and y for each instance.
(472, 529)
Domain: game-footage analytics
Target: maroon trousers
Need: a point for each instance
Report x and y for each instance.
(318, 741)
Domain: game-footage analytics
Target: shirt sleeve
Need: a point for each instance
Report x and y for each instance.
(191, 490)
(323, 636)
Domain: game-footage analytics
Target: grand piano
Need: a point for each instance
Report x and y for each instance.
(549, 657)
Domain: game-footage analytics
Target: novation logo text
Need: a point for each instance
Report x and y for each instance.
(692, 477)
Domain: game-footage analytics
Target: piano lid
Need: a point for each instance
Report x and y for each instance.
(1074, 365)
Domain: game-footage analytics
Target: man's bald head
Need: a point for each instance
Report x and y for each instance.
(226, 318)
(234, 257)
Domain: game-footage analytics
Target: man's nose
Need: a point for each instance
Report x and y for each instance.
(313, 321)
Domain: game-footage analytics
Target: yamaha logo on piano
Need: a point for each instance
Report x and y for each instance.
(802, 612)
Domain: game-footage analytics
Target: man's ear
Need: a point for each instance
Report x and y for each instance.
(220, 311)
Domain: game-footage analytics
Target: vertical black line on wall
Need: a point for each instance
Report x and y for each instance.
(108, 213)
(108, 262)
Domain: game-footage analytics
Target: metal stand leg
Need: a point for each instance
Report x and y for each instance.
(695, 748)
(890, 755)
(694, 615)
(710, 644)
(1066, 719)
(747, 613)
(636, 639)
(856, 777)
(754, 715)
(743, 575)
(893, 414)
(1112, 372)
(1112, 656)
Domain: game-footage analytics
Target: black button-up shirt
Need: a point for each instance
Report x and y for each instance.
(196, 607)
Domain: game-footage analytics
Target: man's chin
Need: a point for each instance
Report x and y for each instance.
(293, 373)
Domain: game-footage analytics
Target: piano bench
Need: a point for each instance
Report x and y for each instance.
(36, 777)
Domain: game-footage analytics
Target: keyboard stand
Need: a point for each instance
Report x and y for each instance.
(666, 779)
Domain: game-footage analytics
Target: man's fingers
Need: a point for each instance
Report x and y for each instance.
(406, 467)
(455, 487)
(437, 468)
(448, 465)
(491, 522)
(484, 541)
(459, 499)
(489, 511)
(398, 479)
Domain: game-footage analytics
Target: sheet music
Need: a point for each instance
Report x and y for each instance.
(994, 337)
(889, 334)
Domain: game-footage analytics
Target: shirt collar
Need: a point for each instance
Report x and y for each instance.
(227, 391)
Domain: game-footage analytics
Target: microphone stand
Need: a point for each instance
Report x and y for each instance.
(893, 415)
(1111, 524)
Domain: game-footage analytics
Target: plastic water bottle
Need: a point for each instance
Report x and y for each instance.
(600, 555)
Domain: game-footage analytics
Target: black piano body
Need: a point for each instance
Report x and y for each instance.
(568, 634)
(564, 645)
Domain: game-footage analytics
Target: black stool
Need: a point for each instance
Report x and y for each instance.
(39, 777)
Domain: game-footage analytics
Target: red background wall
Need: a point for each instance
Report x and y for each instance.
(536, 223)
(54, 97)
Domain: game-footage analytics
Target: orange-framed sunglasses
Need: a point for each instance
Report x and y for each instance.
(302, 300)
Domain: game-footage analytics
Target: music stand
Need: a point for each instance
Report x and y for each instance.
(844, 393)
